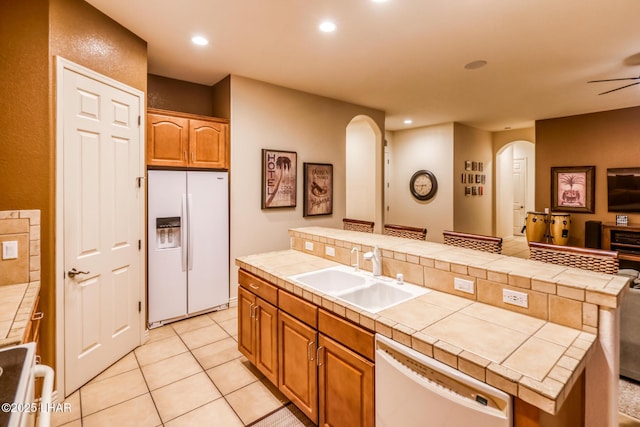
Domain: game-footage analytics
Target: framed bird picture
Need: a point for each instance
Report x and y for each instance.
(318, 189)
(279, 177)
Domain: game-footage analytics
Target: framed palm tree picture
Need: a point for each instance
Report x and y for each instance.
(573, 189)
(279, 177)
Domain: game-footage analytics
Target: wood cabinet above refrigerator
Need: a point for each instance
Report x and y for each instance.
(187, 140)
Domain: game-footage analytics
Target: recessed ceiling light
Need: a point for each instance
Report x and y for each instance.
(408, 121)
(327, 27)
(379, 1)
(199, 40)
(475, 64)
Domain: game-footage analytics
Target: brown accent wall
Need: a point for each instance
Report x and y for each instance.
(221, 93)
(31, 35)
(84, 35)
(26, 154)
(606, 139)
(178, 95)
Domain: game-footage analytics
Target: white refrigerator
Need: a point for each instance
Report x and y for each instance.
(188, 247)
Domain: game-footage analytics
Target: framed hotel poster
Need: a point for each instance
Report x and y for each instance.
(573, 189)
(318, 189)
(279, 177)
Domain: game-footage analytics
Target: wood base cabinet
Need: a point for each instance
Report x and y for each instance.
(298, 379)
(346, 386)
(258, 333)
(322, 362)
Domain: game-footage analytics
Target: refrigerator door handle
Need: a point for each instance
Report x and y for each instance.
(183, 235)
(190, 229)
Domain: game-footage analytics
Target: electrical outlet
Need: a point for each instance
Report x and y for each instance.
(330, 251)
(520, 299)
(463, 285)
(308, 246)
(10, 249)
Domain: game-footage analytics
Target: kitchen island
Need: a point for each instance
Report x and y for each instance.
(538, 354)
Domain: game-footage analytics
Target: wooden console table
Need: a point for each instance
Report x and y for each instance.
(622, 238)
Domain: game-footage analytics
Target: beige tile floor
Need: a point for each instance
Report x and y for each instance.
(190, 373)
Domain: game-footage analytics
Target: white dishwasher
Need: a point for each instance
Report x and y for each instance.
(415, 390)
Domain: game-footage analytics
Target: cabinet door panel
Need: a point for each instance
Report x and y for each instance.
(246, 328)
(346, 386)
(298, 372)
(267, 340)
(167, 140)
(208, 144)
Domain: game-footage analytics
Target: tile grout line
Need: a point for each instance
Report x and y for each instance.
(203, 370)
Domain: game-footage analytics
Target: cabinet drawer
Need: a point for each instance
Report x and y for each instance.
(298, 308)
(345, 332)
(264, 290)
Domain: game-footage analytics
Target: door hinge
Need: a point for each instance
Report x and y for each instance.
(139, 244)
(139, 121)
(139, 180)
(139, 306)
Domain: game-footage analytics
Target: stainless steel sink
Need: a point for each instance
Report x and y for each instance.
(360, 288)
(332, 280)
(380, 296)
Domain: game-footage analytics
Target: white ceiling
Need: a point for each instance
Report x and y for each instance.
(406, 57)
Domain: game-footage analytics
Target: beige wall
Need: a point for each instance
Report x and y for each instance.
(411, 150)
(606, 139)
(268, 116)
(31, 34)
(472, 214)
(361, 171)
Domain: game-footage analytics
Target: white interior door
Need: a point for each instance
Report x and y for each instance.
(102, 211)
(519, 194)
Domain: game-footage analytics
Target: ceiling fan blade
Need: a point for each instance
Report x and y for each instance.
(613, 80)
(613, 90)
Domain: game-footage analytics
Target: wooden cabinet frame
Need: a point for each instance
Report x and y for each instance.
(186, 140)
(320, 356)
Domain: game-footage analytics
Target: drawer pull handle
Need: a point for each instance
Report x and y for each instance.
(37, 316)
(252, 286)
(318, 363)
(309, 352)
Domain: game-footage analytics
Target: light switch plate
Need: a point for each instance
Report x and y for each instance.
(10, 249)
(330, 251)
(308, 246)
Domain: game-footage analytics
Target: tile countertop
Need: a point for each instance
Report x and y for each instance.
(526, 356)
(16, 305)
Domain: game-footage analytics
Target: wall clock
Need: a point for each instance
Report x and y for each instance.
(423, 185)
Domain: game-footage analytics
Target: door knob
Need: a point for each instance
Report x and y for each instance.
(73, 273)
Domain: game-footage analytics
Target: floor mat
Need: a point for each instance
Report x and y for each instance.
(288, 416)
(629, 401)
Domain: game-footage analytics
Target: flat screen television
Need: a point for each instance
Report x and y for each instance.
(623, 189)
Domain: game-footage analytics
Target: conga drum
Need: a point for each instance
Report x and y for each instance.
(536, 226)
(560, 226)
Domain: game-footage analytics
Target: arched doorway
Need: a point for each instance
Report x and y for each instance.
(515, 190)
(364, 170)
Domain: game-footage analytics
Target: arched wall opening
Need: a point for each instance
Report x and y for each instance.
(515, 186)
(364, 158)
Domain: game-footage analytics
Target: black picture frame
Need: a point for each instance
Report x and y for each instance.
(279, 178)
(318, 189)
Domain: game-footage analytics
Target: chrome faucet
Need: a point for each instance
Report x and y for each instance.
(356, 266)
(376, 259)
